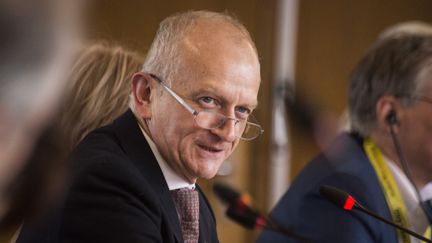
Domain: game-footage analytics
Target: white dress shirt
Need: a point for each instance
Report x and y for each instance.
(416, 217)
(173, 180)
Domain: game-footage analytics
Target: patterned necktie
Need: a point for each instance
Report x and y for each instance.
(187, 205)
(427, 205)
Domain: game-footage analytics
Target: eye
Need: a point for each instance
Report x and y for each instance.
(243, 112)
(207, 102)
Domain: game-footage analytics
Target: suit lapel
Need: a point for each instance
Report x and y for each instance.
(135, 146)
(207, 224)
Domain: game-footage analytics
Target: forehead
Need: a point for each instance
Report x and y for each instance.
(207, 38)
(425, 79)
(231, 79)
(227, 91)
(217, 57)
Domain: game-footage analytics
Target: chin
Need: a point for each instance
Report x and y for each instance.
(206, 168)
(207, 174)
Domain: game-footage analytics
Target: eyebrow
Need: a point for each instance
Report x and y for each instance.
(224, 100)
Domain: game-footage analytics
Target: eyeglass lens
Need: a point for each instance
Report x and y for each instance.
(211, 120)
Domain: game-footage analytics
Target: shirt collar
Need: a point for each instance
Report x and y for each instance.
(417, 218)
(426, 192)
(173, 180)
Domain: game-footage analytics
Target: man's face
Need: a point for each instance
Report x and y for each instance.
(222, 77)
(416, 134)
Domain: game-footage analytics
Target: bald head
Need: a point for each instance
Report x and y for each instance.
(192, 34)
(209, 46)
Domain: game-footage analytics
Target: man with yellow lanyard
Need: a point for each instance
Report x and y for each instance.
(385, 162)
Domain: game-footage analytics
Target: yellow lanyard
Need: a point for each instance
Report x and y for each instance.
(390, 188)
(428, 233)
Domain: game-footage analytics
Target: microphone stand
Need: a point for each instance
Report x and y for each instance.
(344, 200)
(408, 231)
(271, 225)
(250, 218)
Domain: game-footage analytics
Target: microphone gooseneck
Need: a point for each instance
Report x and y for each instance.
(342, 199)
(239, 210)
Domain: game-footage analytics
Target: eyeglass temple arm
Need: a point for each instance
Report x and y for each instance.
(178, 98)
(185, 105)
(257, 125)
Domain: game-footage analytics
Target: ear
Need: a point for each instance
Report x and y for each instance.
(388, 113)
(142, 89)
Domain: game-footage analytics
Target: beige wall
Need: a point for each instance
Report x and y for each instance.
(332, 36)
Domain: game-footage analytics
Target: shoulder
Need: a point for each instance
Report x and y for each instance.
(103, 169)
(345, 166)
(109, 195)
(343, 161)
(101, 161)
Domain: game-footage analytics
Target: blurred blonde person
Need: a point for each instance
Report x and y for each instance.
(98, 91)
(99, 87)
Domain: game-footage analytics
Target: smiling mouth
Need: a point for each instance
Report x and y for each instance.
(209, 149)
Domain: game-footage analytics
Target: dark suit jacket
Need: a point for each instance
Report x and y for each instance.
(302, 209)
(119, 194)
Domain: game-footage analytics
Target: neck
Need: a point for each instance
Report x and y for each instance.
(385, 144)
(186, 177)
(387, 147)
(144, 126)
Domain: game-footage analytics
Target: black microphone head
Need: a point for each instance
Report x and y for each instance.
(245, 216)
(226, 193)
(337, 196)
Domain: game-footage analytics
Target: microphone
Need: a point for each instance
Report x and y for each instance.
(230, 196)
(239, 210)
(344, 200)
(239, 207)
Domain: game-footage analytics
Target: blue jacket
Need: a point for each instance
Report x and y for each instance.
(343, 165)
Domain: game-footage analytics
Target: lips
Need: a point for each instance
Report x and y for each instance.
(210, 149)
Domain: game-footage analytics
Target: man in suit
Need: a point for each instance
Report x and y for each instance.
(190, 106)
(390, 92)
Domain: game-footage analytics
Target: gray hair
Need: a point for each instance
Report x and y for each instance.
(164, 55)
(394, 65)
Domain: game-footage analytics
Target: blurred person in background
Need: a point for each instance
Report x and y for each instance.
(36, 44)
(390, 96)
(98, 91)
(100, 85)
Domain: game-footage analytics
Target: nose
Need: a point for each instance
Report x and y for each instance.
(226, 131)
